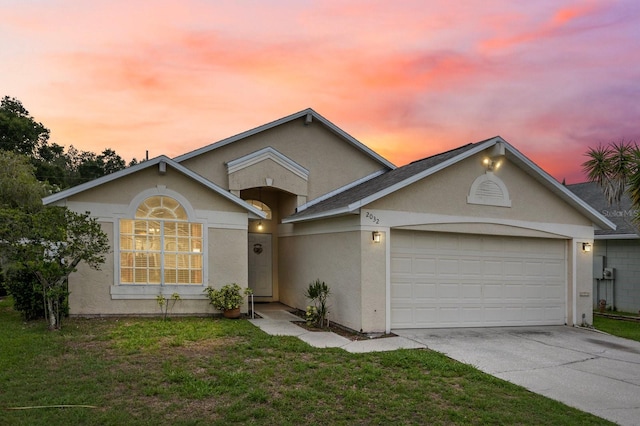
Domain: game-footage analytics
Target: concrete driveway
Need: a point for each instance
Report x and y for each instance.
(591, 371)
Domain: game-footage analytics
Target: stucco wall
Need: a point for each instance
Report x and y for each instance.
(624, 256)
(373, 273)
(227, 257)
(446, 192)
(225, 224)
(583, 280)
(226, 263)
(331, 161)
(330, 257)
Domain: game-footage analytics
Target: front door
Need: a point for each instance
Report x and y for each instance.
(260, 261)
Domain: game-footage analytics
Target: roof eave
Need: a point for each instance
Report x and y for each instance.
(617, 237)
(547, 180)
(150, 163)
(322, 215)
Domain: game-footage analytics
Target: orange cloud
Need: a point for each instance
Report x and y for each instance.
(564, 19)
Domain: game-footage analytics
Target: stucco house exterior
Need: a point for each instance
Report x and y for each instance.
(474, 237)
(616, 266)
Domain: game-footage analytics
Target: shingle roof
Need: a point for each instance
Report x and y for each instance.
(622, 215)
(353, 198)
(379, 183)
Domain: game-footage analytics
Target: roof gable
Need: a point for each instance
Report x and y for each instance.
(268, 153)
(310, 115)
(350, 201)
(162, 162)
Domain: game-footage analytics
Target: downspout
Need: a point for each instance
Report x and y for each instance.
(574, 282)
(387, 242)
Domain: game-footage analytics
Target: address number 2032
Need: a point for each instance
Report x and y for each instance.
(373, 218)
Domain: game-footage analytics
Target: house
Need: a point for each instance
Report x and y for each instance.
(477, 236)
(616, 266)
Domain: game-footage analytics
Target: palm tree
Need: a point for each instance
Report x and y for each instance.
(616, 168)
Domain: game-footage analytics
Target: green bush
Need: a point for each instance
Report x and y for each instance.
(26, 292)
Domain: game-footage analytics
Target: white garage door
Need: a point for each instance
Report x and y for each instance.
(462, 280)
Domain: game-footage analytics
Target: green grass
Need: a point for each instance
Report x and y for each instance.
(203, 371)
(626, 329)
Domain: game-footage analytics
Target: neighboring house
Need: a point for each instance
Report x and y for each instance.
(616, 274)
(473, 237)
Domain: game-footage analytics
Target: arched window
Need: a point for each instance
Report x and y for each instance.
(261, 206)
(160, 246)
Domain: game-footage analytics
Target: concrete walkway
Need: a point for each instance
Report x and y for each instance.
(278, 321)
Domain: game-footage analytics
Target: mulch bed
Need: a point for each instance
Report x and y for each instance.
(338, 329)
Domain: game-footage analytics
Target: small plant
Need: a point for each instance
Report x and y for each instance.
(311, 315)
(228, 297)
(316, 314)
(167, 305)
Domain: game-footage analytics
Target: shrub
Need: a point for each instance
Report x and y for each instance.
(26, 291)
(317, 292)
(228, 297)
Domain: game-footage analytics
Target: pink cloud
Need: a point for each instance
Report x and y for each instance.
(408, 79)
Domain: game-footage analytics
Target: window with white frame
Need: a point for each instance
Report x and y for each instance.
(160, 246)
(261, 206)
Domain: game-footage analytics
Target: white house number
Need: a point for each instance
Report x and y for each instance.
(373, 218)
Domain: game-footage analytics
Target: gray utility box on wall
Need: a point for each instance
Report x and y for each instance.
(608, 273)
(598, 267)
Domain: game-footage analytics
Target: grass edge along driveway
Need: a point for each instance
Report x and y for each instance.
(191, 371)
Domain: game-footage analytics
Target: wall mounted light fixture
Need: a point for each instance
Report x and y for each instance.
(586, 247)
(260, 226)
(492, 164)
(376, 236)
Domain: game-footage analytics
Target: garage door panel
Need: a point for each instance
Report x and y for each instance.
(471, 314)
(400, 265)
(402, 291)
(448, 292)
(493, 292)
(424, 266)
(403, 317)
(470, 267)
(472, 291)
(512, 268)
(533, 269)
(492, 267)
(448, 267)
(460, 280)
(424, 291)
(553, 269)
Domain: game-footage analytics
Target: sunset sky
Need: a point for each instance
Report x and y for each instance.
(407, 78)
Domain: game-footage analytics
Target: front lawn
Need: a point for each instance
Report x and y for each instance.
(190, 371)
(618, 327)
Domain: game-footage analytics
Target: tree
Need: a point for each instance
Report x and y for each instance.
(59, 240)
(616, 169)
(51, 165)
(84, 166)
(19, 132)
(19, 188)
(47, 245)
(111, 162)
(20, 192)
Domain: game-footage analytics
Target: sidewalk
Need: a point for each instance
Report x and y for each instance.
(278, 321)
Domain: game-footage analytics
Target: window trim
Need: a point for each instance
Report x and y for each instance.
(150, 291)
